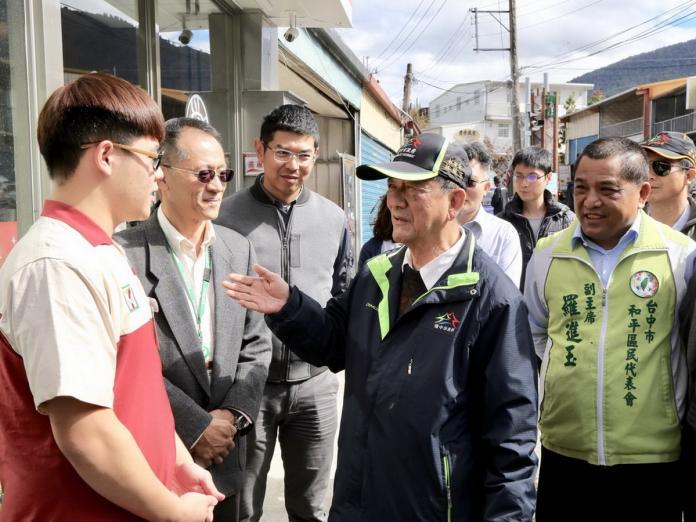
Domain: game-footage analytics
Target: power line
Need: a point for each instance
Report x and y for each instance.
(554, 18)
(405, 39)
(444, 51)
(565, 57)
(401, 30)
(425, 28)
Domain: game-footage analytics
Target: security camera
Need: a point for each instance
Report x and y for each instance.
(185, 36)
(291, 34)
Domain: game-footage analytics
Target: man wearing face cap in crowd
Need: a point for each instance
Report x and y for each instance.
(439, 415)
(672, 160)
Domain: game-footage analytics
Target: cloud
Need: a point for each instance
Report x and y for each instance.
(441, 47)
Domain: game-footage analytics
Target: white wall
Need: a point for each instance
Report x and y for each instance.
(463, 104)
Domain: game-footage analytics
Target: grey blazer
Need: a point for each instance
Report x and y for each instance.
(242, 341)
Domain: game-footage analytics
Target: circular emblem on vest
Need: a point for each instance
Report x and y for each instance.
(644, 284)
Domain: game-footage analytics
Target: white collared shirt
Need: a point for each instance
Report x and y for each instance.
(194, 267)
(433, 270)
(499, 239)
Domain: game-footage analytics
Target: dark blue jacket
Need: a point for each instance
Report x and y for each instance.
(440, 407)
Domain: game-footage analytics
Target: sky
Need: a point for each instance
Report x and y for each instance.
(554, 36)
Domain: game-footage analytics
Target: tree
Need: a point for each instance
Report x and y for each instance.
(570, 104)
(500, 160)
(596, 96)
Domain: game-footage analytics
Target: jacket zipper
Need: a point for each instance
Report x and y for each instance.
(285, 274)
(447, 472)
(601, 450)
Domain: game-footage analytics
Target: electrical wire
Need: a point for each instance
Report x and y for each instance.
(566, 56)
(401, 30)
(406, 38)
(417, 38)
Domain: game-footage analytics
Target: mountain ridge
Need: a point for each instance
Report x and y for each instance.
(665, 63)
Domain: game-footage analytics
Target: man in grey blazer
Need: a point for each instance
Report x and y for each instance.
(215, 354)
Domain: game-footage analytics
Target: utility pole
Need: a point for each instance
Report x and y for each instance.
(515, 73)
(408, 80)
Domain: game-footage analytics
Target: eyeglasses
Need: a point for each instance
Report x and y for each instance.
(156, 157)
(663, 167)
(283, 156)
(531, 178)
(471, 183)
(207, 175)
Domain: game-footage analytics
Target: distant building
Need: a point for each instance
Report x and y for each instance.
(478, 110)
(636, 113)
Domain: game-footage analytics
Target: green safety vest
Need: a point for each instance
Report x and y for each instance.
(608, 381)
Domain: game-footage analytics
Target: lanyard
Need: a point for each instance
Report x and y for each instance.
(200, 309)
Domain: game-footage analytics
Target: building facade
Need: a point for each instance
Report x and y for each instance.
(478, 110)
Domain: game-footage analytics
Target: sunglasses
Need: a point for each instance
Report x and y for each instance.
(663, 168)
(207, 175)
(156, 157)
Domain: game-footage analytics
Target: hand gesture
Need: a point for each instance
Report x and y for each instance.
(267, 293)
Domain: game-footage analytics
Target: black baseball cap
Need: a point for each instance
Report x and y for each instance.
(424, 157)
(672, 146)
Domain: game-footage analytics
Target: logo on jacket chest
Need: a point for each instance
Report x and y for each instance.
(446, 322)
(644, 284)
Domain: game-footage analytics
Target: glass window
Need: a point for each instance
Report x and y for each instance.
(98, 36)
(477, 97)
(8, 194)
(503, 130)
(185, 54)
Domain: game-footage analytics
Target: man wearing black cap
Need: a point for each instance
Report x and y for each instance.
(439, 415)
(672, 159)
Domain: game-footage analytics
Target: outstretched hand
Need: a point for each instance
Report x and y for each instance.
(267, 293)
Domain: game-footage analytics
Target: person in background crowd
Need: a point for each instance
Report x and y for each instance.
(439, 415)
(500, 195)
(381, 240)
(494, 235)
(672, 160)
(603, 298)
(214, 356)
(304, 237)
(532, 210)
(570, 199)
(86, 430)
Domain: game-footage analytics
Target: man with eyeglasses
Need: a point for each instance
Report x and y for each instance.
(672, 160)
(214, 356)
(304, 237)
(532, 210)
(86, 429)
(495, 236)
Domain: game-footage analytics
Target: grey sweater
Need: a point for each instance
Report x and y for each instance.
(313, 253)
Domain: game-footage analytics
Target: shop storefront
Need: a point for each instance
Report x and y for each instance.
(213, 58)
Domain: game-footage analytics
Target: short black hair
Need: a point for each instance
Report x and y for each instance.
(477, 150)
(172, 131)
(534, 157)
(496, 180)
(290, 118)
(634, 162)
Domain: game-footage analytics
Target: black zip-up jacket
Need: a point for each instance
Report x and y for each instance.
(690, 227)
(440, 408)
(558, 217)
(313, 252)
